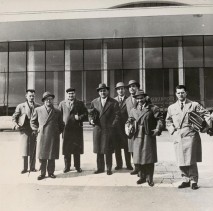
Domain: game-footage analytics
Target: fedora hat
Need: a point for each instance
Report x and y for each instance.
(140, 92)
(102, 86)
(133, 82)
(70, 90)
(120, 84)
(47, 94)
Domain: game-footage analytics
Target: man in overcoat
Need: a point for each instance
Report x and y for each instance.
(21, 119)
(149, 121)
(104, 128)
(121, 137)
(187, 141)
(47, 122)
(74, 113)
(133, 87)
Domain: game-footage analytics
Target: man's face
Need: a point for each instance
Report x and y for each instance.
(181, 94)
(120, 91)
(103, 93)
(48, 101)
(71, 95)
(141, 99)
(133, 89)
(30, 96)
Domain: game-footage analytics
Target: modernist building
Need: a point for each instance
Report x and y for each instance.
(59, 44)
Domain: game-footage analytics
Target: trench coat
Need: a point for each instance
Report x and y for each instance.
(129, 106)
(187, 142)
(145, 146)
(22, 116)
(49, 126)
(105, 126)
(121, 137)
(73, 142)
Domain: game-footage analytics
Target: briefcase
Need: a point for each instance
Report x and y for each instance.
(197, 121)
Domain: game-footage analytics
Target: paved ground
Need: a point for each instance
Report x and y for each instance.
(87, 191)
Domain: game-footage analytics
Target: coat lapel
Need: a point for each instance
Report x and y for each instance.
(48, 115)
(27, 110)
(106, 106)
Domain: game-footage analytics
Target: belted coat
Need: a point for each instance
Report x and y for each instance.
(73, 142)
(22, 116)
(187, 141)
(49, 126)
(104, 129)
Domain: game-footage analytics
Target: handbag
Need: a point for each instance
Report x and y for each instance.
(197, 121)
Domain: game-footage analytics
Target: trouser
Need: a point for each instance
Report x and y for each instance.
(137, 166)
(189, 173)
(146, 171)
(67, 161)
(48, 165)
(118, 157)
(31, 164)
(101, 161)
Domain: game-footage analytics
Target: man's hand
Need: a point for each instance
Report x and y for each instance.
(76, 117)
(17, 127)
(34, 133)
(156, 132)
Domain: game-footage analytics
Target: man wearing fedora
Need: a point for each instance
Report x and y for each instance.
(121, 137)
(133, 87)
(104, 128)
(21, 119)
(47, 122)
(74, 114)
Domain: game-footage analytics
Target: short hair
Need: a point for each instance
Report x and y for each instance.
(30, 90)
(180, 87)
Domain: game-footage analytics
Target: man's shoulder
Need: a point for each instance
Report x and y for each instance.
(96, 100)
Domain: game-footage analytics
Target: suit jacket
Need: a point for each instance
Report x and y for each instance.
(104, 129)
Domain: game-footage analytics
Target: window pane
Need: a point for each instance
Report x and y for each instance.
(76, 82)
(208, 87)
(153, 52)
(3, 93)
(92, 54)
(17, 57)
(39, 86)
(193, 51)
(3, 57)
(208, 48)
(55, 56)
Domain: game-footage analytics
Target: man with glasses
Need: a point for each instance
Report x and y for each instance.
(187, 140)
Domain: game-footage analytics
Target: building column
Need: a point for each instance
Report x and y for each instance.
(30, 67)
(55, 86)
(143, 69)
(181, 75)
(67, 76)
(141, 75)
(104, 73)
(171, 85)
(202, 86)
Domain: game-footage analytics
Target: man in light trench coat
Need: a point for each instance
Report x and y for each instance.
(21, 119)
(47, 121)
(187, 141)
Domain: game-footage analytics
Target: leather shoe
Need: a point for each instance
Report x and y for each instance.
(33, 170)
(134, 172)
(151, 183)
(184, 185)
(79, 170)
(40, 177)
(98, 171)
(194, 186)
(52, 176)
(141, 181)
(109, 172)
(24, 171)
(66, 170)
(118, 167)
(129, 167)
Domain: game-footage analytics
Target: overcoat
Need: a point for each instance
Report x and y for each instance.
(73, 131)
(121, 137)
(145, 147)
(187, 141)
(129, 106)
(104, 129)
(22, 116)
(49, 126)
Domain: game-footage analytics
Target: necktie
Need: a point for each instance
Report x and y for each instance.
(181, 106)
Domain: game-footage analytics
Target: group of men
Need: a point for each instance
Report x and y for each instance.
(40, 128)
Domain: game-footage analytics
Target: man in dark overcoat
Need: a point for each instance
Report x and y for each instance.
(187, 140)
(133, 87)
(104, 128)
(121, 137)
(74, 114)
(47, 122)
(21, 119)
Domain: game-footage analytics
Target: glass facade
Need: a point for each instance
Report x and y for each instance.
(159, 64)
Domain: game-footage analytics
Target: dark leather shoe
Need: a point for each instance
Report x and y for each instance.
(151, 183)
(184, 185)
(33, 170)
(194, 186)
(109, 172)
(134, 172)
(40, 177)
(79, 170)
(118, 167)
(129, 167)
(141, 181)
(98, 171)
(66, 170)
(52, 176)
(24, 171)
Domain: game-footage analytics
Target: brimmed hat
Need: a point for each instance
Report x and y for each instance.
(70, 90)
(140, 92)
(102, 86)
(47, 94)
(133, 82)
(30, 90)
(120, 84)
